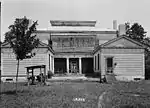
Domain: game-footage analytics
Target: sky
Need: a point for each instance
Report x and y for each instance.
(103, 11)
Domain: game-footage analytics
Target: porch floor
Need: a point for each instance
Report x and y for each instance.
(72, 78)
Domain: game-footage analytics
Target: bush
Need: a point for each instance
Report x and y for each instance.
(49, 74)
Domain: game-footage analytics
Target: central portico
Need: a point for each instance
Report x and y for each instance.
(73, 64)
(73, 43)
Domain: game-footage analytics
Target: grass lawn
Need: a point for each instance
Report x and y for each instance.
(67, 94)
(57, 95)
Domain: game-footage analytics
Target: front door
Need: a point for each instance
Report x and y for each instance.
(73, 67)
(109, 65)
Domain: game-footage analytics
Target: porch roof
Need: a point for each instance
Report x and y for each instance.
(34, 67)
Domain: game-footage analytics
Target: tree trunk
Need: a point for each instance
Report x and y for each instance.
(17, 75)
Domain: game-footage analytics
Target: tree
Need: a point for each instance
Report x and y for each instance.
(135, 31)
(21, 39)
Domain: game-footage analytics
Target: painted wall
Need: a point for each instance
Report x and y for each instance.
(9, 62)
(130, 62)
(105, 37)
(96, 65)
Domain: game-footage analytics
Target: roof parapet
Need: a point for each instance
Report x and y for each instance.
(72, 23)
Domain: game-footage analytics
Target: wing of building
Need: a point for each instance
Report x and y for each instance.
(79, 47)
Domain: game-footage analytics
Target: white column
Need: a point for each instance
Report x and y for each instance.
(80, 66)
(49, 62)
(52, 64)
(67, 64)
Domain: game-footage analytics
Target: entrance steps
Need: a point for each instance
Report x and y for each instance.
(72, 77)
(69, 77)
(111, 78)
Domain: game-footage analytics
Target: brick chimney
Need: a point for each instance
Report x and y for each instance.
(122, 29)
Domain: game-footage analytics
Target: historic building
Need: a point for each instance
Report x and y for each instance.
(80, 47)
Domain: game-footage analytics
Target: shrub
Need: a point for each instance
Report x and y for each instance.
(49, 74)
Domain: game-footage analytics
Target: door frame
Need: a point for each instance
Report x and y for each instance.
(106, 68)
(74, 62)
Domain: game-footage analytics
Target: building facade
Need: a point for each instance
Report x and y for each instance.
(79, 47)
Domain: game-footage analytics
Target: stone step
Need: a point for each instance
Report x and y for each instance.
(111, 78)
(68, 75)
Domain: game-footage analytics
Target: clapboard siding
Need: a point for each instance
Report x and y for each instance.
(9, 64)
(127, 64)
(123, 51)
(96, 62)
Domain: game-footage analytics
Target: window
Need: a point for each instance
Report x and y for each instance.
(98, 61)
(109, 64)
(95, 62)
(49, 60)
(52, 62)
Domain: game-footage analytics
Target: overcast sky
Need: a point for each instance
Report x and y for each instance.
(103, 11)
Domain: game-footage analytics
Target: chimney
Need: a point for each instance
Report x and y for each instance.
(122, 29)
(115, 24)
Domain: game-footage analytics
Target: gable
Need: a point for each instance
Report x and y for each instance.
(124, 42)
(41, 47)
(7, 45)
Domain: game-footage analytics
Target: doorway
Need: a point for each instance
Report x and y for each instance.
(73, 65)
(87, 66)
(60, 65)
(109, 65)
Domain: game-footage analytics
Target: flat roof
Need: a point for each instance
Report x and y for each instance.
(76, 29)
(36, 66)
(72, 23)
(79, 29)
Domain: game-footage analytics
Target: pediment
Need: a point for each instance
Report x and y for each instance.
(7, 45)
(124, 42)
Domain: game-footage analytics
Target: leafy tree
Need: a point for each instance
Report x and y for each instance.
(135, 31)
(21, 39)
